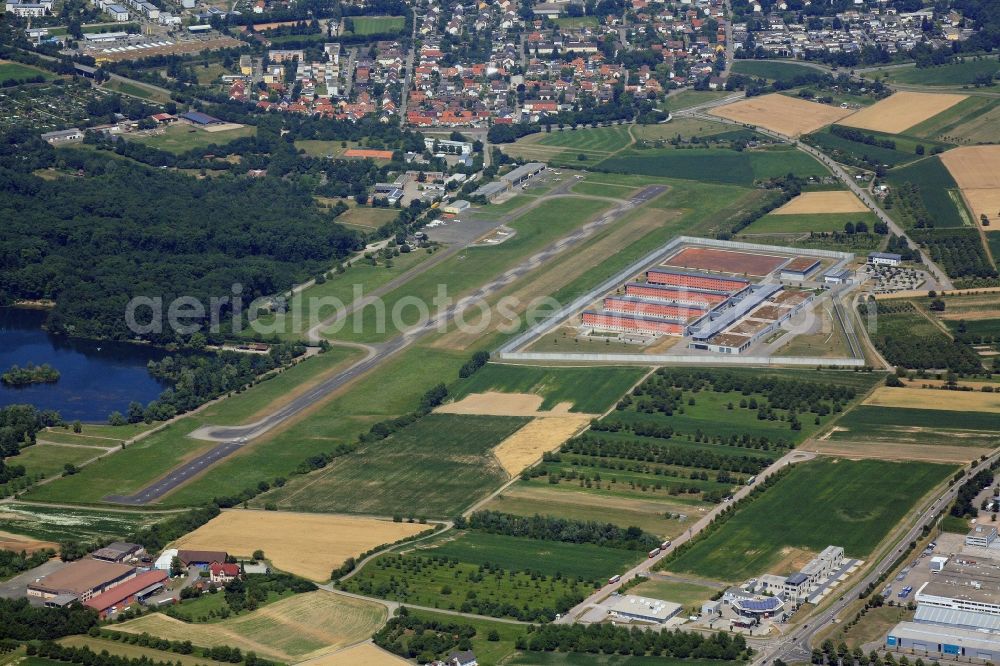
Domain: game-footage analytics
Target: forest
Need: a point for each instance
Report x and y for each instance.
(611, 639)
(122, 230)
(23, 622)
(548, 528)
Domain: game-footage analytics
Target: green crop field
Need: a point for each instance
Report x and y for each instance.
(714, 164)
(449, 584)
(819, 503)
(861, 154)
(435, 467)
(685, 99)
(370, 25)
(938, 191)
(951, 74)
(580, 560)
(970, 121)
(784, 224)
(931, 427)
(596, 139)
(181, 138)
(773, 69)
(142, 462)
(591, 390)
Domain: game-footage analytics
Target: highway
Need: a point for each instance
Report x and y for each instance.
(232, 438)
(795, 647)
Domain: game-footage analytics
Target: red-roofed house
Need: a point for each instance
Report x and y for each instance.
(223, 572)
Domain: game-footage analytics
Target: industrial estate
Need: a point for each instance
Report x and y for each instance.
(538, 333)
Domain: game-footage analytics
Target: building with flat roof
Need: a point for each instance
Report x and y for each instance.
(456, 207)
(644, 609)
(964, 583)
(799, 268)
(981, 536)
(120, 597)
(61, 136)
(946, 641)
(491, 191)
(119, 551)
(83, 578)
(522, 173)
(884, 259)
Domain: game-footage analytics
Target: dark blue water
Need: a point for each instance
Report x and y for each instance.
(96, 379)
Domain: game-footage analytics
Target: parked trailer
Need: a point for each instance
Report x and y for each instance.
(665, 545)
(654, 552)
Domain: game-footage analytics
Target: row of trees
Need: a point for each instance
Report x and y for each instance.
(631, 449)
(549, 528)
(613, 639)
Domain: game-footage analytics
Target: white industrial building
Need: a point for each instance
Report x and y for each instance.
(884, 259)
(632, 607)
(799, 586)
(165, 559)
(118, 13)
(981, 536)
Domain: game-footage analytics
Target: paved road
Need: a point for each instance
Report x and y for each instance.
(795, 647)
(646, 565)
(233, 437)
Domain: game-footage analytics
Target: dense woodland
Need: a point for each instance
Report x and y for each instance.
(23, 622)
(122, 230)
(612, 639)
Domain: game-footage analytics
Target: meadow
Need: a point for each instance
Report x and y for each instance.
(963, 72)
(446, 583)
(853, 501)
(688, 595)
(783, 224)
(930, 427)
(592, 390)
(180, 138)
(716, 165)
(583, 561)
(862, 154)
(435, 467)
(685, 99)
(63, 524)
(17, 71)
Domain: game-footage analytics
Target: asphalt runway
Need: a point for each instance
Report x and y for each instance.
(229, 435)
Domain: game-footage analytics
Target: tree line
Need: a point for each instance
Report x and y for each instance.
(549, 528)
(630, 449)
(613, 639)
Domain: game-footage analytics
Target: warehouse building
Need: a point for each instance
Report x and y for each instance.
(884, 259)
(456, 207)
(491, 191)
(82, 579)
(122, 596)
(944, 641)
(643, 609)
(799, 268)
(119, 551)
(522, 173)
(981, 536)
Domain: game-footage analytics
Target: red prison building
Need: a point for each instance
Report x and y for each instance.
(651, 308)
(697, 280)
(632, 323)
(696, 297)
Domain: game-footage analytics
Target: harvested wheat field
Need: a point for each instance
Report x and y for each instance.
(917, 398)
(495, 403)
(310, 545)
(362, 653)
(779, 113)
(291, 630)
(822, 202)
(901, 111)
(528, 444)
(976, 169)
(889, 451)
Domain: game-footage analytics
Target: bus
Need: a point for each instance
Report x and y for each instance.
(654, 552)
(614, 579)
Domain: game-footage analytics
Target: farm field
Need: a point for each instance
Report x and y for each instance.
(771, 69)
(145, 460)
(688, 595)
(832, 201)
(685, 99)
(591, 390)
(718, 165)
(180, 138)
(911, 338)
(583, 561)
(775, 223)
(939, 192)
(950, 74)
(921, 427)
(976, 170)
(779, 113)
(865, 155)
(901, 111)
(362, 653)
(436, 581)
(132, 651)
(938, 399)
(854, 501)
(61, 524)
(307, 545)
(969, 121)
(528, 444)
(434, 468)
(291, 630)
(563, 501)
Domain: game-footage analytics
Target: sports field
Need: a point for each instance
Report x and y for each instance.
(308, 545)
(435, 467)
(588, 389)
(834, 201)
(370, 25)
(976, 170)
(291, 630)
(779, 113)
(724, 261)
(920, 398)
(819, 503)
(901, 111)
(180, 138)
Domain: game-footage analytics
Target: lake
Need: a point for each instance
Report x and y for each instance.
(96, 379)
